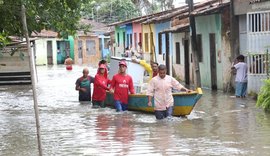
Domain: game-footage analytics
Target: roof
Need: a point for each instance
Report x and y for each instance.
(183, 25)
(213, 8)
(45, 33)
(257, 1)
(95, 26)
(178, 28)
(204, 7)
(183, 12)
(141, 18)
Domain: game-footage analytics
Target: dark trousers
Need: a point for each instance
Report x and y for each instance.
(164, 113)
(98, 104)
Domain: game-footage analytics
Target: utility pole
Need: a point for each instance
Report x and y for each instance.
(196, 66)
(32, 64)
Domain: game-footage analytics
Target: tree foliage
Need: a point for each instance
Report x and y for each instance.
(264, 96)
(110, 11)
(62, 16)
(59, 15)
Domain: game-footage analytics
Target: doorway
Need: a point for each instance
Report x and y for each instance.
(213, 65)
(167, 59)
(186, 51)
(49, 53)
(80, 52)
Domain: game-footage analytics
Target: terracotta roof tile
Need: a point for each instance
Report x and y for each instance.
(45, 33)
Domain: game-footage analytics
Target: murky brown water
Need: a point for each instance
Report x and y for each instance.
(218, 125)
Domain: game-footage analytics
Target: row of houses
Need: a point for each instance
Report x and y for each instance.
(49, 49)
(224, 30)
(83, 48)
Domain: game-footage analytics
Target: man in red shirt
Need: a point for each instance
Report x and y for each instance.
(121, 85)
(100, 86)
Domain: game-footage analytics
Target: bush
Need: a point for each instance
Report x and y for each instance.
(264, 96)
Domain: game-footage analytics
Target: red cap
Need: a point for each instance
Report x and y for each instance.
(102, 66)
(123, 63)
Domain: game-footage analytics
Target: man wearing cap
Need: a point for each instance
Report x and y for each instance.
(83, 85)
(100, 87)
(121, 85)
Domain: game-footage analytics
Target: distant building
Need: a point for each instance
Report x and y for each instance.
(50, 49)
(90, 47)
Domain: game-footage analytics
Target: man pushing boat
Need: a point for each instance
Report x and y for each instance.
(121, 85)
(161, 88)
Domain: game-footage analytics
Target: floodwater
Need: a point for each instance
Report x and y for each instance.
(218, 125)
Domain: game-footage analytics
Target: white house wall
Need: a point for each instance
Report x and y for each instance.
(179, 69)
(243, 34)
(41, 51)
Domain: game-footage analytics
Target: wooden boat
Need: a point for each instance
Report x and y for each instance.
(183, 102)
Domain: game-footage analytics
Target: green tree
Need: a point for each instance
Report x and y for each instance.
(165, 4)
(264, 96)
(61, 16)
(110, 11)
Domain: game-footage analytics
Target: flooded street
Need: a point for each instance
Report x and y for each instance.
(219, 125)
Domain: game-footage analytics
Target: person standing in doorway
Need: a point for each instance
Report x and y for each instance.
(83, 85)
(241, 77)
(100, 87)
(59, 56)
(140, 51)
(160, 87)
(121, 86)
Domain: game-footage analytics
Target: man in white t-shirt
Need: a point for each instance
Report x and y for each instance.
(241, 77)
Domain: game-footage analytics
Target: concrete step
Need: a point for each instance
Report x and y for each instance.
(15, 78)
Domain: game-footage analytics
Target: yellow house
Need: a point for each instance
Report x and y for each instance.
(148, 45)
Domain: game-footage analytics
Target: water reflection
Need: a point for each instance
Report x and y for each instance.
(219, 125)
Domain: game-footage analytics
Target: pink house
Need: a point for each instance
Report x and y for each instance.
(137, 35)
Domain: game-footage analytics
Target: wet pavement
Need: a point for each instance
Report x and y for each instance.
(218, 125)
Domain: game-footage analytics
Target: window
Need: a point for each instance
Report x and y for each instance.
(100, 45)
(258, 22)
(127, 40)
(146, 42)
(90, 47)
(80, 53)
(151, 42)
(159, 43)
(257, 63)
(135, 40)
(130, 38)
(199, 48)
(140, 37)
(118, 39)
(106, 43)
(177, 50)
(124, 39)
